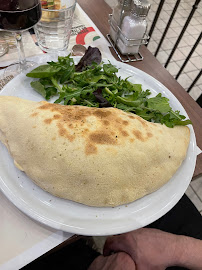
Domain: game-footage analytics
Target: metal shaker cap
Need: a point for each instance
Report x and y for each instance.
(125, 3)
(140, 7)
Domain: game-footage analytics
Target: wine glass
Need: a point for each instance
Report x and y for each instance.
(3, 47)
(17, 16)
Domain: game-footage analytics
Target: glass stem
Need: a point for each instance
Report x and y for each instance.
(21, 53)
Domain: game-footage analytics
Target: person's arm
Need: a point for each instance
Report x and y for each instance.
(118, 261)
(189, 253)
(155, 249)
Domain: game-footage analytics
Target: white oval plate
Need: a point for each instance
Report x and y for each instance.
(80, 219)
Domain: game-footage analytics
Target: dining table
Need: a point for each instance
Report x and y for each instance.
(98, 12)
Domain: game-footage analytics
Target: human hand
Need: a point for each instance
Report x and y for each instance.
(149, 248)
(118, 261)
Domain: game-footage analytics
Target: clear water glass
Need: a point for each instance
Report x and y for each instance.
(54, 29)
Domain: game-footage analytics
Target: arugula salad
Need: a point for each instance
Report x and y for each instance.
(95, 84)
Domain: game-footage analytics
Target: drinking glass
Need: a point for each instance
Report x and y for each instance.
(54, 29)
(17, 16)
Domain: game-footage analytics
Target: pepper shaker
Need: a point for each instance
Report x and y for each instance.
(133, 28)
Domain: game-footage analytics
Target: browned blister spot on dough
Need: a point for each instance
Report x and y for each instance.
(101, 138)
(78, 117)
(34, 114)
(138, 135)
(48, 121)
(131, 117)
(56, 116)
(142, 121)
(125, 122)
(106, 122)
(124, 133)
(64, 133)
(90, 149)
(101, 113)
(149, 134)
(62, 130)
(117, 121)
(47, 106)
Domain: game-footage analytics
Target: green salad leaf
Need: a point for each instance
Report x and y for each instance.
(98, 85)
(159, 103)
(43, 71)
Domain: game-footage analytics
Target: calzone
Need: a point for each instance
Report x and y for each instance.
(99, 157)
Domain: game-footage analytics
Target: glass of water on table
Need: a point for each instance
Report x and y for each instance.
(54, 29)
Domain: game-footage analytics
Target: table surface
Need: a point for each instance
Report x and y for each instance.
(98, 12)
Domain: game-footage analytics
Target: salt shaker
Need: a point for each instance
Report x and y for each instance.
(119, 12)
(133, 28)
